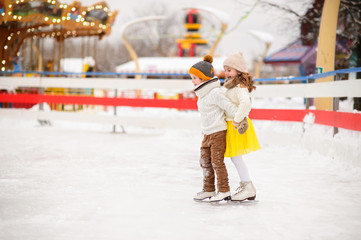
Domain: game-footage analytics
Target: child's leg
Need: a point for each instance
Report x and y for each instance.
(206, 165)
(246, 190)
(218, 148)
(241, 168)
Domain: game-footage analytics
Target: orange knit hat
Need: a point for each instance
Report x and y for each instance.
(203, 69)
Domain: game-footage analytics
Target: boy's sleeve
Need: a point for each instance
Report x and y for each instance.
(244, 106)
(224, 103)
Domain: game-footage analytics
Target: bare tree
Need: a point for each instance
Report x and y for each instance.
(154, 38)
(349, 19)
(348, 31)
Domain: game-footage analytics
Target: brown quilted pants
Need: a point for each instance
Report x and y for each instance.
(212, 162)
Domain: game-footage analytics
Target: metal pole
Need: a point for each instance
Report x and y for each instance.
(115, 109)
(336, 101)
(60, 52)
(95, 52)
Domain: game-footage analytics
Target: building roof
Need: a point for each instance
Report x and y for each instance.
(168, 65)
(293, 53)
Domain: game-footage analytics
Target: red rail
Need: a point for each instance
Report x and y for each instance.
(351, 121)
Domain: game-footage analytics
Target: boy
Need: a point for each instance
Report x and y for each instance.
(212, 103)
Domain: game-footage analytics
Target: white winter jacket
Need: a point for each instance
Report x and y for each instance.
(212, 104)
(240, 97)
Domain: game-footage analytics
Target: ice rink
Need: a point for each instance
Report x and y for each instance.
(81, 181)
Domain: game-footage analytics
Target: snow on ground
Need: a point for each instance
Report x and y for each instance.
(81, 181)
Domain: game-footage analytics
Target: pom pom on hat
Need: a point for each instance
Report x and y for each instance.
(203, 69)
(208, 58)
(236, 61)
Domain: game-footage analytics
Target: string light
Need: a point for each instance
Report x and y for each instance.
(50, 20)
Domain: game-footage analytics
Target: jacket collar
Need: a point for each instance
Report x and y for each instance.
(204, 88)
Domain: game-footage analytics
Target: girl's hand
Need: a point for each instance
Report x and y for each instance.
(243, 126)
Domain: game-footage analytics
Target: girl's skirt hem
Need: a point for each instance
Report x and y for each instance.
(241, 144)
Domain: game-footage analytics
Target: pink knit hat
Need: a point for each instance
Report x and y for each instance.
(236, 61)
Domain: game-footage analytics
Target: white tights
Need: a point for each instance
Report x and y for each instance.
(241, 168)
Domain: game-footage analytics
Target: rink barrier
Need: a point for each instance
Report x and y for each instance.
(345, 120)
(346, 88)
(182, 104)
(351, 121)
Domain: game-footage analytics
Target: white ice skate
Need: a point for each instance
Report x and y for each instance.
(221, 196)
(246, 191)
(203, 195)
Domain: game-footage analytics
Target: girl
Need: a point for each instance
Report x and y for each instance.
(240, 140)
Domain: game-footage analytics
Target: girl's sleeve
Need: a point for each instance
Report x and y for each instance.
(244, 106)
(224, 103)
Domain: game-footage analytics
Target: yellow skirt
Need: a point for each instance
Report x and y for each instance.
(241, 144)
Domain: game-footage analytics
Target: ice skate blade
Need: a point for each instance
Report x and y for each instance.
(224, 199)
(202, 200)
(241, 200)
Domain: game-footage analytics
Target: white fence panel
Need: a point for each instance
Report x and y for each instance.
(344, 88)
(103, 83)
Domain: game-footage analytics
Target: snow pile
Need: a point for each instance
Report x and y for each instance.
(343, 147)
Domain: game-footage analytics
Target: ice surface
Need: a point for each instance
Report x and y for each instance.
(80, 181)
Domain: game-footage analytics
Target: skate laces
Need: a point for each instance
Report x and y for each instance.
(200, 193)
(239, 189)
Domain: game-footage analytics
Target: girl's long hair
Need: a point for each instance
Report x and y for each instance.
(246, 80)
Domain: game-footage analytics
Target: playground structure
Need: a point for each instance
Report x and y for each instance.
(186, 50)
(192, 23)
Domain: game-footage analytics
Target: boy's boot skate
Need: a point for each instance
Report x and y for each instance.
(221, 196)
(245, 191)
(203, 195)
